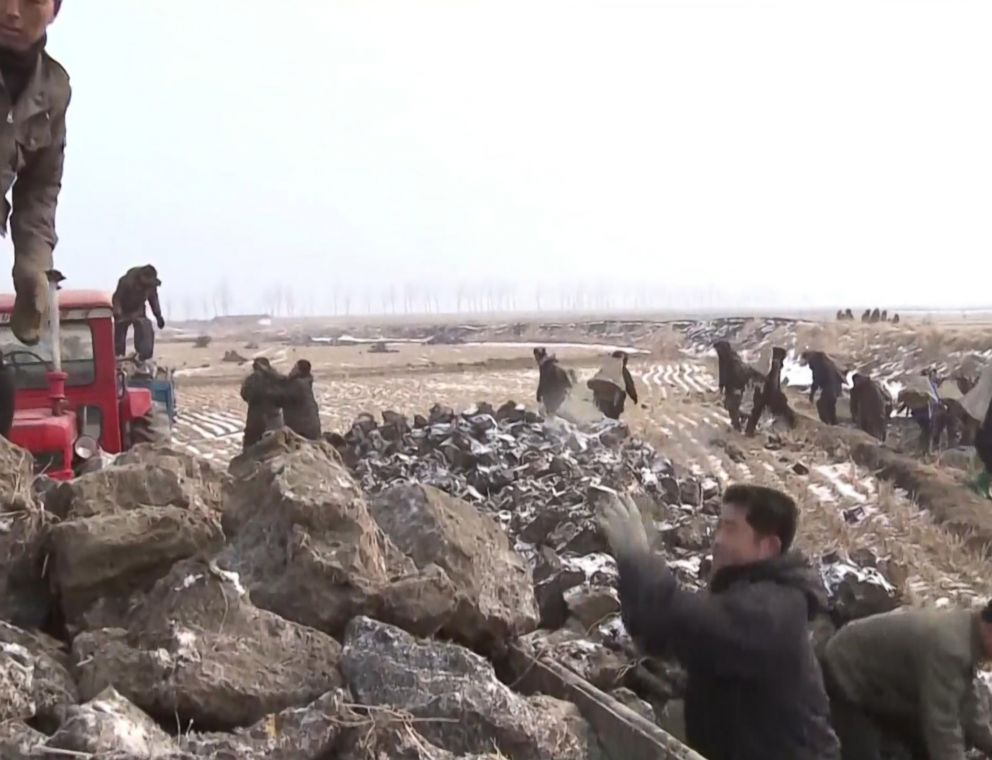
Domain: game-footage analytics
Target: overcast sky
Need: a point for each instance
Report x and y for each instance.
(789, 153)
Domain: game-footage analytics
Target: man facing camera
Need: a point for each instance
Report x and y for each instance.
(755, 691)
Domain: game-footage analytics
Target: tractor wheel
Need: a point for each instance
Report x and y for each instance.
(153, 427)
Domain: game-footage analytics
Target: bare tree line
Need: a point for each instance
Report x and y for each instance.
(407, 299)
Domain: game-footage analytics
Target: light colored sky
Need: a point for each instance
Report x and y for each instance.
(790, 153)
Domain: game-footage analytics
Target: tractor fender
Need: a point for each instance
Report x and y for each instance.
(136, 403)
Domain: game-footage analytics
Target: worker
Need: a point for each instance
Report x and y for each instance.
(734, 376)
(828, 380)
(259, 390)
(612, 385)
(772, 396)
(138, 286)
(910, 674)
(870, 406)
(977, 403)
(34, 95)
(8, 391)
(553, 382)
(299, 407)
(755, 691)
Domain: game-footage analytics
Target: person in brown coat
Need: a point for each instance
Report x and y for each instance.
(138, 286)
(828, 380)
(34, 97)
(869, 407)
(772, 396)
(299, 407)
(910, 674)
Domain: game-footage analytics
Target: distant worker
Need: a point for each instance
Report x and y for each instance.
(910, 675)
(772, 396)
(895, 319)
(299, 407)
(34, 94)
(553, 384)
(734, 376)
(885, 315)
(137, 287)
(870, 406)
(260, 391)
(875, 316)
(866, 317)
(8, 390)
(612, 385)
(849, 315)
(978, 405)
(755, 691)
(828, 380)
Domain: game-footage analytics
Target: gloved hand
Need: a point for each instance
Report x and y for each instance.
(161, 323)
(620, 521)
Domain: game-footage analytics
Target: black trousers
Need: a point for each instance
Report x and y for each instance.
(826, 407)
(144, 337)
(775, 400)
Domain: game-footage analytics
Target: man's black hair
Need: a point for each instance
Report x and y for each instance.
(769, 511)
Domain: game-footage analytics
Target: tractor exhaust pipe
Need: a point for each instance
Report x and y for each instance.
(56, 378)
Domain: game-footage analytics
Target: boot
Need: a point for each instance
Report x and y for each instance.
(30, 306)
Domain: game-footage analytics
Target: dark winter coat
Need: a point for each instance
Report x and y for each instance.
(299, 407)
(733, 373)
(755, 690)
(868, 406)
(553, 385)
(826, 376)
(260, 391)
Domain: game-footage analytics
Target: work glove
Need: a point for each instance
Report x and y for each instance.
(620, 521)
(161, 323)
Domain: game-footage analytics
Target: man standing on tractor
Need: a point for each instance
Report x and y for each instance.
(34, 96)
(138, 286)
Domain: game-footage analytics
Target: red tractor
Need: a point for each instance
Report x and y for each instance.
(72, 399)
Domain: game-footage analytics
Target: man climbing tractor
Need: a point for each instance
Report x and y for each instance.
(34, 97)
(138, 286)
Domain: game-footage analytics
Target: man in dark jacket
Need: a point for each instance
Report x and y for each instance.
(828, 380)
(755, 691)
(299, 407)
(553, 383)
(772, 396)
(260, 390)
(734, 377)
(911, 674)
(138, 286)
(34, 97)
